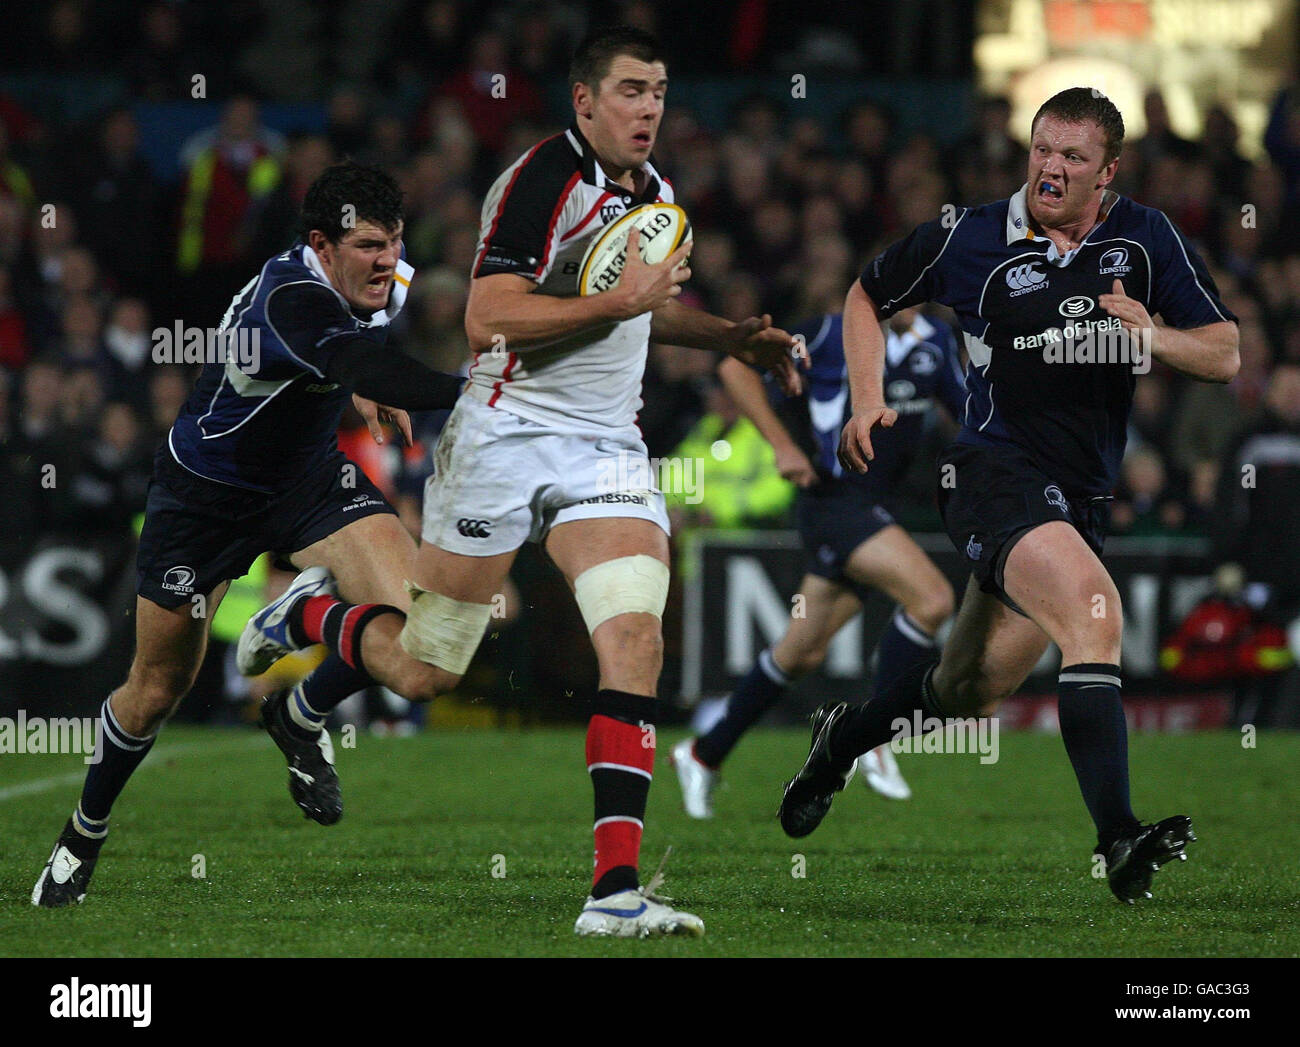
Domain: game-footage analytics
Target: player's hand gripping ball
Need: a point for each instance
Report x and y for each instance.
(662, 228)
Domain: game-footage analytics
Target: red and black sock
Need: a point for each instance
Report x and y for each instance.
(620, 760)
(338, 625)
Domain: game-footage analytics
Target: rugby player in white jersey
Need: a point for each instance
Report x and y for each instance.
(543, 446)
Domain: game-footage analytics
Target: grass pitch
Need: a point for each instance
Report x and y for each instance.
(477, 842)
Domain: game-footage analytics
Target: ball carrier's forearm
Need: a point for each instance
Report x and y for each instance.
(677, 324)
(504, 305)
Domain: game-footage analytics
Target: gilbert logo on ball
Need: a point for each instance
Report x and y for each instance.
(663, 229)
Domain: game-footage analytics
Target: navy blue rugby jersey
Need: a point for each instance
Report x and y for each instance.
(1019, 302)
(267, 414)
(922, 365)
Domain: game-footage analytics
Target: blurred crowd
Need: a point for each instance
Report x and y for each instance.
(787, 201)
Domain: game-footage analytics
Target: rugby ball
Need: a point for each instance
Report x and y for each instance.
(663, 229)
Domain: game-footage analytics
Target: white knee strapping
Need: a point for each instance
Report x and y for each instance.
(442, 631)
(628, 584)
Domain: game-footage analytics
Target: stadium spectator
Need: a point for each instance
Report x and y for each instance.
(277, 216)
(1143, 504)
(428, 41)
(1218, 149)
(1259, 493)
(990, 155)
(1159, 142)
(108, 484)
(230, 169)
(14, 180)
(168, 388)
(128, 344)
(437, 333)
(161, 62)
(116, 198)
(1282, 140)
(348, 114)
(492, 92)
(15, 347)
(1259, 504)
(736, 483)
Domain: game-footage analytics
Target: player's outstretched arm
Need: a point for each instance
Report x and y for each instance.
(753, 341)
(504, 312)
(864, 356)
(377, 372)
(1209, 353)
(746, 388)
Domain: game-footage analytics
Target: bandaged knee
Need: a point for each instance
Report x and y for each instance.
(441, 631)
(627, 585)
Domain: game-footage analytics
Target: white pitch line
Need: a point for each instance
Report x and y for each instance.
(41, 785)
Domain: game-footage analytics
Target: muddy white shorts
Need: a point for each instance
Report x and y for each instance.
(501, 480)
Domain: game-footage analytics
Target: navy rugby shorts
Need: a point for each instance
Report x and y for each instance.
(834, 518)
(199, 533)
(998, 495)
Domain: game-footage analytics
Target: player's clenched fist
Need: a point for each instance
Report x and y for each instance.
(644, 288)
(855, 440)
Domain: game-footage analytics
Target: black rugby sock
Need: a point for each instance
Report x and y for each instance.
(117, 755)
(891, 714)
(1095, 734)
(903, 644)
(756, 693)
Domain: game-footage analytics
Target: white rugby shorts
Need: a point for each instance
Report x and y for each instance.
(501, 480)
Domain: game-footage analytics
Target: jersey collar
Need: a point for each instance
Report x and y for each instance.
(594, 174)
(1018, 228)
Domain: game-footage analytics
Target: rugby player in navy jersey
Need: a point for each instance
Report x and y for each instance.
(252, 465)
(1055, 290)
(850, 539)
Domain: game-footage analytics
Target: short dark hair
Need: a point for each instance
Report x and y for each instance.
(369, 191)
(598, 49)
(1077, 104)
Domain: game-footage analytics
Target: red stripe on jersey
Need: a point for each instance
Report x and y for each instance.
(496, 218)
(505, 377)
(555, 217)
(588, 217)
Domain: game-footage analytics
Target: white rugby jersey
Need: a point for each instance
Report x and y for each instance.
(538, 220)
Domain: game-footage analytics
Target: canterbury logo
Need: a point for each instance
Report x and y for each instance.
(1055, 497)
(473, 528)
(1023, 277)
